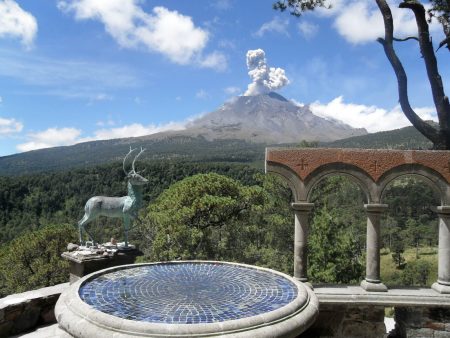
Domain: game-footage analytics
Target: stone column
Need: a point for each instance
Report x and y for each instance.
(443, 283)
(372, 282)
(301, 210)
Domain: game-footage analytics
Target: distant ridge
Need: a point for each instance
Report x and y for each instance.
(403, 138)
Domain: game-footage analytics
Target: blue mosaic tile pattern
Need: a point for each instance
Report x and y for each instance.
(188, 293)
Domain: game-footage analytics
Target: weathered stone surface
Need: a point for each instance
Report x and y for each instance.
(22, 312)
(27, 319)
(72, 247)
(441, 334)
(420, 333)
(422, 322)
(5, 329)
(348, 321)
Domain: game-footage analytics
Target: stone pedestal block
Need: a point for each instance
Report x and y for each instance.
(83, 265)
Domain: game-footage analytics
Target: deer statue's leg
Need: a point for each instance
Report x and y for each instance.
(81, 223)
(81, 227)
(126, 224)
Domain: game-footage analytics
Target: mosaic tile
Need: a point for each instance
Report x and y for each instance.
(188, 293)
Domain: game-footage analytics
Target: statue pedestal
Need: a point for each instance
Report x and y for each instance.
(83, 263)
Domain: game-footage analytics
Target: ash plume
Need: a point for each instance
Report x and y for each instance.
(264, 78)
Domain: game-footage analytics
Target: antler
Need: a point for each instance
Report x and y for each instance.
(124, 160)
(135, 158)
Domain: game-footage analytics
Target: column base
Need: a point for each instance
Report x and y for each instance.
(373, 287)
(304, 281)
(441, 288)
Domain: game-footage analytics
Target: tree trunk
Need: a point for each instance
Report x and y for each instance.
(440, 137)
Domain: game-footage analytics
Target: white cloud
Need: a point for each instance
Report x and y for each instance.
(361, 21)
(222, 4)
(264, 79)
(276, 25)
(202, 94)
(232, 90)
(67, 78)
(134, 130)
(163, 31)
(307, 30)
(17, 23)
(54, 137)
(372, 118)
(10, 126)
(51, 137)
(216, 60)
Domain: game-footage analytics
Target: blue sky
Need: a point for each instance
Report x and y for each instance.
(78, 70)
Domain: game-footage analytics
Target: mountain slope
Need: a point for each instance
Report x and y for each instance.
(268, 118)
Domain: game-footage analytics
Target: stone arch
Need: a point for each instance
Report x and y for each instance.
(425, 174)
(354, 173)
(296, 185)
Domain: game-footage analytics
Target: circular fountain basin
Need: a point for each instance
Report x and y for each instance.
(186, 299)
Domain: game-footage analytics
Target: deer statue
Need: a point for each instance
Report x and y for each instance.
(126, 207)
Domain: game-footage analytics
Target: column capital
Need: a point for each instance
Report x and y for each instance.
(302, 206)
(375, 207)
(443, 209)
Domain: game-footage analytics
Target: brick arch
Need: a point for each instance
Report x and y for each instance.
(290, 177)
(428, 175)
(370, 167)
(355, 174)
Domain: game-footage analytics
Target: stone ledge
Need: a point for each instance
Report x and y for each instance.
(413, 297)
(23, 311)
(27, 296)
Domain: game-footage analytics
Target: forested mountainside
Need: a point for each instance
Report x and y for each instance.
(196, 149)
(403, 138)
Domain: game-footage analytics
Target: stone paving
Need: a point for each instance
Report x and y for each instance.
(188, 293)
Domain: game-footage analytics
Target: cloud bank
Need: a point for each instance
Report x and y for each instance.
(54, 137)
(360, 22)
(372, 118)
(264, 78)
(17, 23)
(169, 33)
(9, 126)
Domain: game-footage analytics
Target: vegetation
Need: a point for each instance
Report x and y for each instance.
(215, 211)
(439, 135)
(31, 202)
(33, 260)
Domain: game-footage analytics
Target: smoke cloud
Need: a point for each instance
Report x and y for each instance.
(264, 79)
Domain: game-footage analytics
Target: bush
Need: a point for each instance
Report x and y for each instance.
(416, 273)
(33, 260)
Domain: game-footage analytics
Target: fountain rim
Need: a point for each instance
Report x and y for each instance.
(70, 308)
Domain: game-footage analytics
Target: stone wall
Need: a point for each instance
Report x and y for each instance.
(419, 322)
(348, 321)
(24, 311)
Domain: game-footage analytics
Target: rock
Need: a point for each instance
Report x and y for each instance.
(72, 247)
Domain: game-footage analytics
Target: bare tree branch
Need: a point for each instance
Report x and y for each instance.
(426, 129)
(406, 39)
(441, 101)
